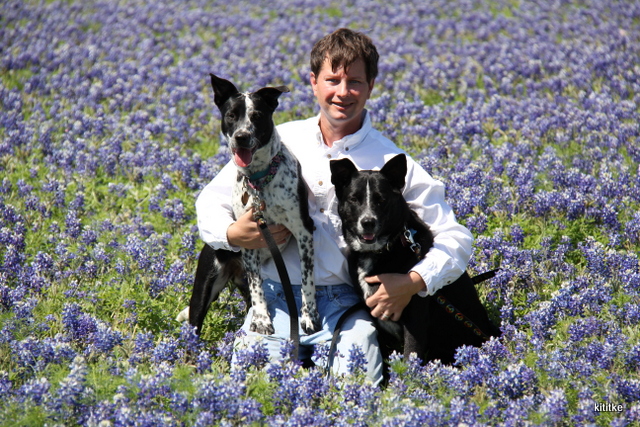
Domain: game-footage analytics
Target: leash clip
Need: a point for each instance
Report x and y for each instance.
(258, 203)
(413, 245)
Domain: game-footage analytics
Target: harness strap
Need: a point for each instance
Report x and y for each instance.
(460, 316)
(286, 284)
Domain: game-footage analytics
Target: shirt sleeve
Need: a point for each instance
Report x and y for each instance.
(214, 209)
(447, 260)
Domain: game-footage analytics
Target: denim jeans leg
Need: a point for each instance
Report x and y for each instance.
(279, 314)
(332, 301)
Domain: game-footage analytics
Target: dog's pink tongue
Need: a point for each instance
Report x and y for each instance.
(243, 157)
(368, 236)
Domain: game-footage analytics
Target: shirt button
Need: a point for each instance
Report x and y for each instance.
(319, 182)
(321, 210)
(328, 156)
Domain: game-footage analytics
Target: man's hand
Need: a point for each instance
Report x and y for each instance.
(246, 234)
(394, 293)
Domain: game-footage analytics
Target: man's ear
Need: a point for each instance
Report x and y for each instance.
(342, 172)
(371, 84)
(314, 82)
(222, 90)
(395, 170)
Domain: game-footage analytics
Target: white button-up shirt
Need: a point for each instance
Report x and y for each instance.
(367, 149)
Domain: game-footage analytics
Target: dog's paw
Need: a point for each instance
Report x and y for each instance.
(183, 316)
(261, 325)
(310, 324)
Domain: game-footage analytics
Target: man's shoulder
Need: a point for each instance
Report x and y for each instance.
(296, 125)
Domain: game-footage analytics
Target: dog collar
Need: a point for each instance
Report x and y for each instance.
(258, 180)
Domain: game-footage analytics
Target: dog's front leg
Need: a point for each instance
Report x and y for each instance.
(310, 319)
(261, 321)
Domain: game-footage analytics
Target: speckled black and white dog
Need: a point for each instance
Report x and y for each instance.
(384, 235)
(270, 181)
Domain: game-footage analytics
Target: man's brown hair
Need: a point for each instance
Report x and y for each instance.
(343, 47)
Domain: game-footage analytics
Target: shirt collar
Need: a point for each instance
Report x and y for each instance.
(349, 141)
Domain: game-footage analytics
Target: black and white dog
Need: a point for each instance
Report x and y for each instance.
(385, 236)
(270, 181)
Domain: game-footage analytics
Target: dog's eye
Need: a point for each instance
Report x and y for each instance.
(378, 200)
(230, 117)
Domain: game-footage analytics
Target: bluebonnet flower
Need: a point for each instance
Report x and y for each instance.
(204, 362)
(167, 350)
(357, 361)
(143, 346)
(105, 339)
(632, 357)
(628, 389)
(189, 340)
(257, 356)
(36, 390)
(79, 326)
(555, 406)
(72, 393)
(516, 381)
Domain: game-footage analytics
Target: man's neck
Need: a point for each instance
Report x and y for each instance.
(332, 133)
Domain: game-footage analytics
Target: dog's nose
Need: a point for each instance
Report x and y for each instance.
(368, 223)
(242, 137)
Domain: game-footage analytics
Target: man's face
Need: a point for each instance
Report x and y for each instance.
(342, 94)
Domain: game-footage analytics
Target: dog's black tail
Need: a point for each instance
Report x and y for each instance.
(484, 276)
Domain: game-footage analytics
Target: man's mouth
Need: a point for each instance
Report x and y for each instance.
(342, 105)
(242, 156)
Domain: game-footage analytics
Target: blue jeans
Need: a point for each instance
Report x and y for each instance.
(332, 301)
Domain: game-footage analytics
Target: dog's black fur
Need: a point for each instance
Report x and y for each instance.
(374, 218)
(254, 142)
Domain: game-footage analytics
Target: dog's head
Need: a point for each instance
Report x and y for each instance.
(370, 203)
(246, 117)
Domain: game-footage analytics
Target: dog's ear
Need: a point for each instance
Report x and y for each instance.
(395, 170)
(271, 94)
(342, 172)
(222, 90)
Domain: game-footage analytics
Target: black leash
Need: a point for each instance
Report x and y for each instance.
(286, 283)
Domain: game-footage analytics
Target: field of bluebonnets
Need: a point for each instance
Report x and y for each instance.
(529, 111)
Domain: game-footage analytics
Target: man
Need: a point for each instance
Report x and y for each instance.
(343, 72)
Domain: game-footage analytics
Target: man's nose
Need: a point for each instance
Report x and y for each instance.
(342, 89)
